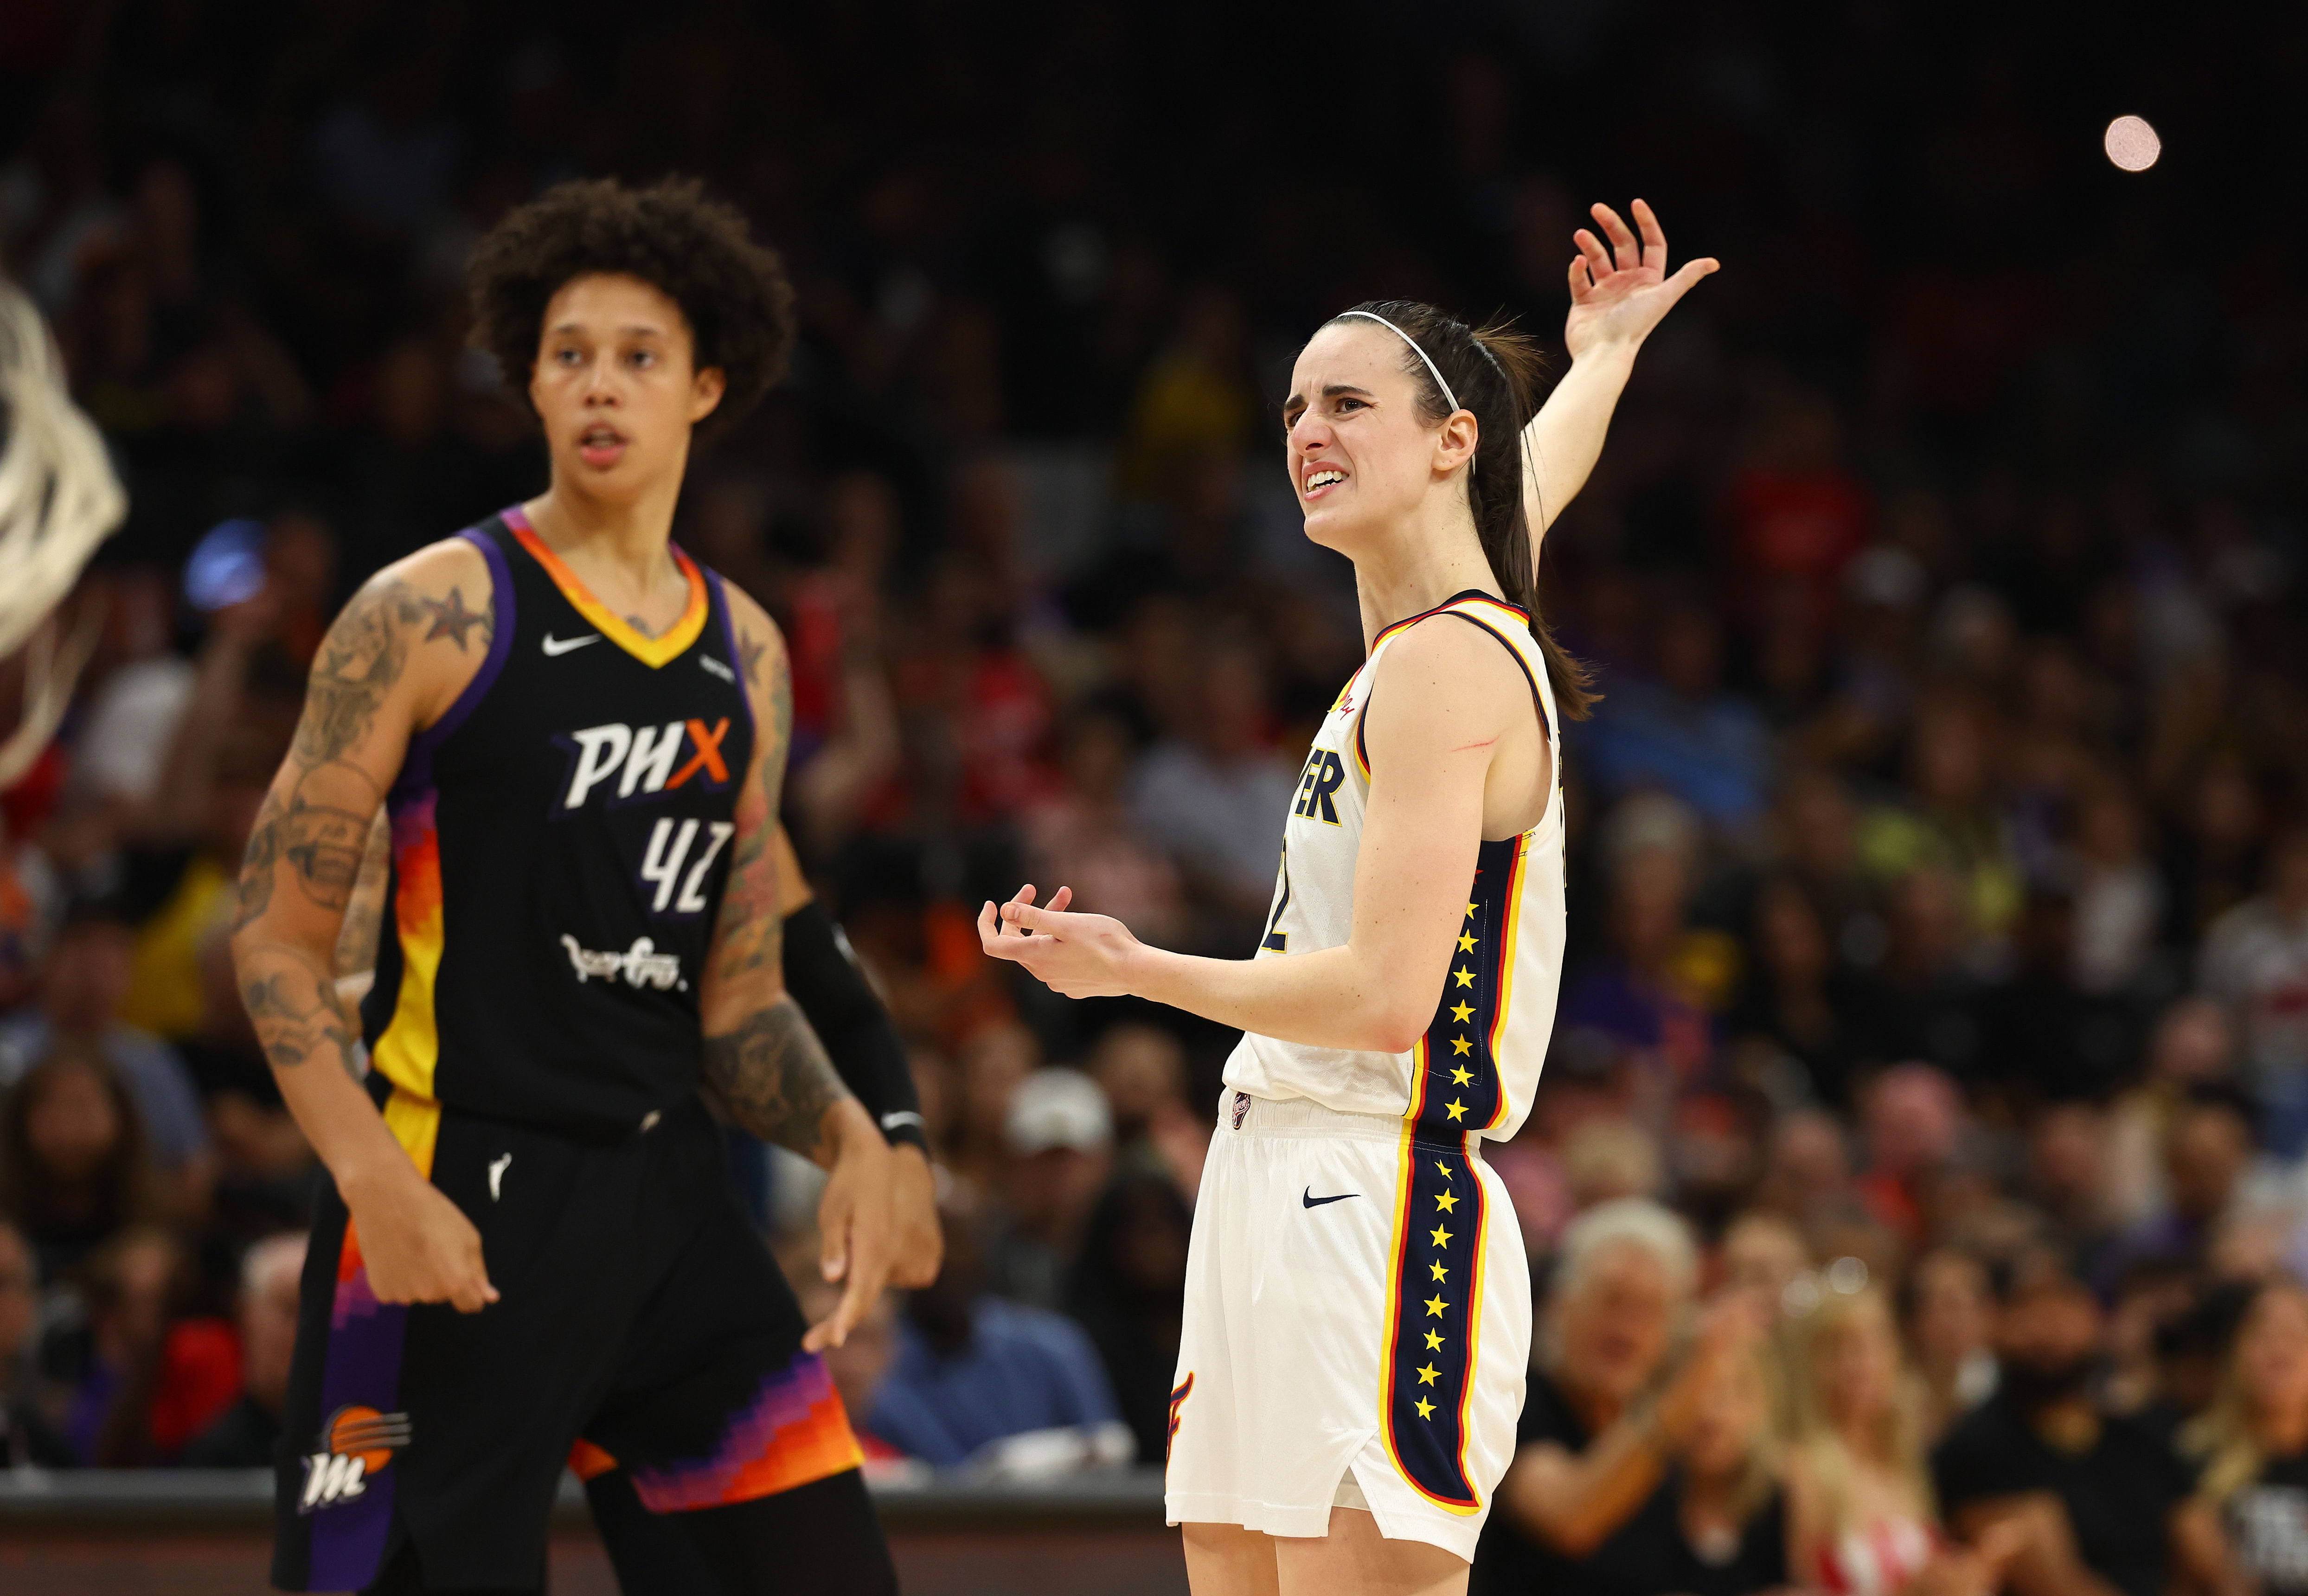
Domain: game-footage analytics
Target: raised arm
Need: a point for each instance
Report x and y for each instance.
(764, 1066)
(1446, 697)
(1617, 296)
(387, 667)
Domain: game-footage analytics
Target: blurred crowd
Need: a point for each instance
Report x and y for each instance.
(1916, 1178)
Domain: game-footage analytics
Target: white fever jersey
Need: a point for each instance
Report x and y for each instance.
(1477, 1066)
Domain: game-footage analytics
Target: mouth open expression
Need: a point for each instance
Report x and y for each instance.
(601, 446)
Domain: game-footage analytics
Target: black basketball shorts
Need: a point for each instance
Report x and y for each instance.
(640, 1317)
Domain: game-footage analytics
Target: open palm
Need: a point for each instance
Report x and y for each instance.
(1618, 294)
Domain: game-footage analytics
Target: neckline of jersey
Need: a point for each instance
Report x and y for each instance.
(1460, 598)
(655, 653)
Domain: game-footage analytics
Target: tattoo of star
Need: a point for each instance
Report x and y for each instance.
(452, 620)
(750, 651)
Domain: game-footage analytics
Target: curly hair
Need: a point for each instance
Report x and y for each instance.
(694, 249)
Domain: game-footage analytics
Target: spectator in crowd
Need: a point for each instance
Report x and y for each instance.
(1060, 1137)
(992, 1067)
(2095, 1501)
(2254, 1444)
(1679, 731)
(1795, 998)
(1920, 1002)
(1730, 1527)
(246, 1435)
(1126, 1292)
(2255, 961)
(150, 1378)
(1086, 834)
(83, 981)
(1210, 791)
(2207, 1150)
(1951, 1326)
(1142, 1071)
(26, 1441)
(2042, 1034)
(73, 1165)
(2119, 897)
(1763, 1254)
(1859, 1501)
(1582, 1504)
(1912, 1117)
(973, 1370)
(2193, 1352)
(1638, 993)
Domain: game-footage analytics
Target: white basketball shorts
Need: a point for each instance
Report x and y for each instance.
(1357, 1329)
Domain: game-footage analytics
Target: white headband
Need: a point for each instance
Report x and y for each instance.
(1422, 354)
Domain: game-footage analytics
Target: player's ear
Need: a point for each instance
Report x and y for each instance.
(705, 391)
(1460, 437)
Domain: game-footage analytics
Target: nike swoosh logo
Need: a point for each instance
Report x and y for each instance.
(1312, 1201)
(555, 647)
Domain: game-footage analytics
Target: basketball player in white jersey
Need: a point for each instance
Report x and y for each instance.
(1357, 1314)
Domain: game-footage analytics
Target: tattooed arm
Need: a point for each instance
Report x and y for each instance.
(764, 1066)
(397, 656)
(356, 941)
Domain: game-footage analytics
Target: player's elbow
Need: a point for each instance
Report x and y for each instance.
(1393, 1026)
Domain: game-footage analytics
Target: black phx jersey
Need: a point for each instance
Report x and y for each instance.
(560, 842)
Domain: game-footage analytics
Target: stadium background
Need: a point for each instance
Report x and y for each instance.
(1937, 862)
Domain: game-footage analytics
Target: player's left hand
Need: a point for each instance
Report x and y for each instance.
(1618, 294)
(854, 1224)
(1078, 955)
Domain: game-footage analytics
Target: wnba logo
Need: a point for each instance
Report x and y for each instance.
(360, 1442)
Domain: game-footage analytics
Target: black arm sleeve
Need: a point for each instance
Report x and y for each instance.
(823, 975)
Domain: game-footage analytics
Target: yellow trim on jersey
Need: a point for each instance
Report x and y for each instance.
(415, 1123)
(1503, 1000)
(653, 652)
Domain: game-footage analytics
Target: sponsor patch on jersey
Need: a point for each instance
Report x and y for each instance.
(640, 965)
(357, 1444)
(1241, 1108)
(628, 759)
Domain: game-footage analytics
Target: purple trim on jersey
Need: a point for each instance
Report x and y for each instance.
(363, 1368)
(736, 661)
(417, 764)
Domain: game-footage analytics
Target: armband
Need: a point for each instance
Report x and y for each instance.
(823, 975)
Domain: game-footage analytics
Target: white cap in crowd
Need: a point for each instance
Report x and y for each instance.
(1058, 1107)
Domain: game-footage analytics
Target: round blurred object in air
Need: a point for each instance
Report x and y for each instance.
(2131, 143)
(1800, 1296)
(227, 566)
(1848, 1276)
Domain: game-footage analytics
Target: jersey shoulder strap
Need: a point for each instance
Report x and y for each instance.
(1508, 623)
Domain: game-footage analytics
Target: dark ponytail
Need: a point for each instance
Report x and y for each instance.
(1494, 371)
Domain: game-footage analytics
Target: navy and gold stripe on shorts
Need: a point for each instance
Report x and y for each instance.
(1434, 1296)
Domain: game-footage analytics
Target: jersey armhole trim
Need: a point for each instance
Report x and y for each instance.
(417, 764)
(736, 661)
(1538, 701)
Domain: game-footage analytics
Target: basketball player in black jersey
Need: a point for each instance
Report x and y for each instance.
(577, 737)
